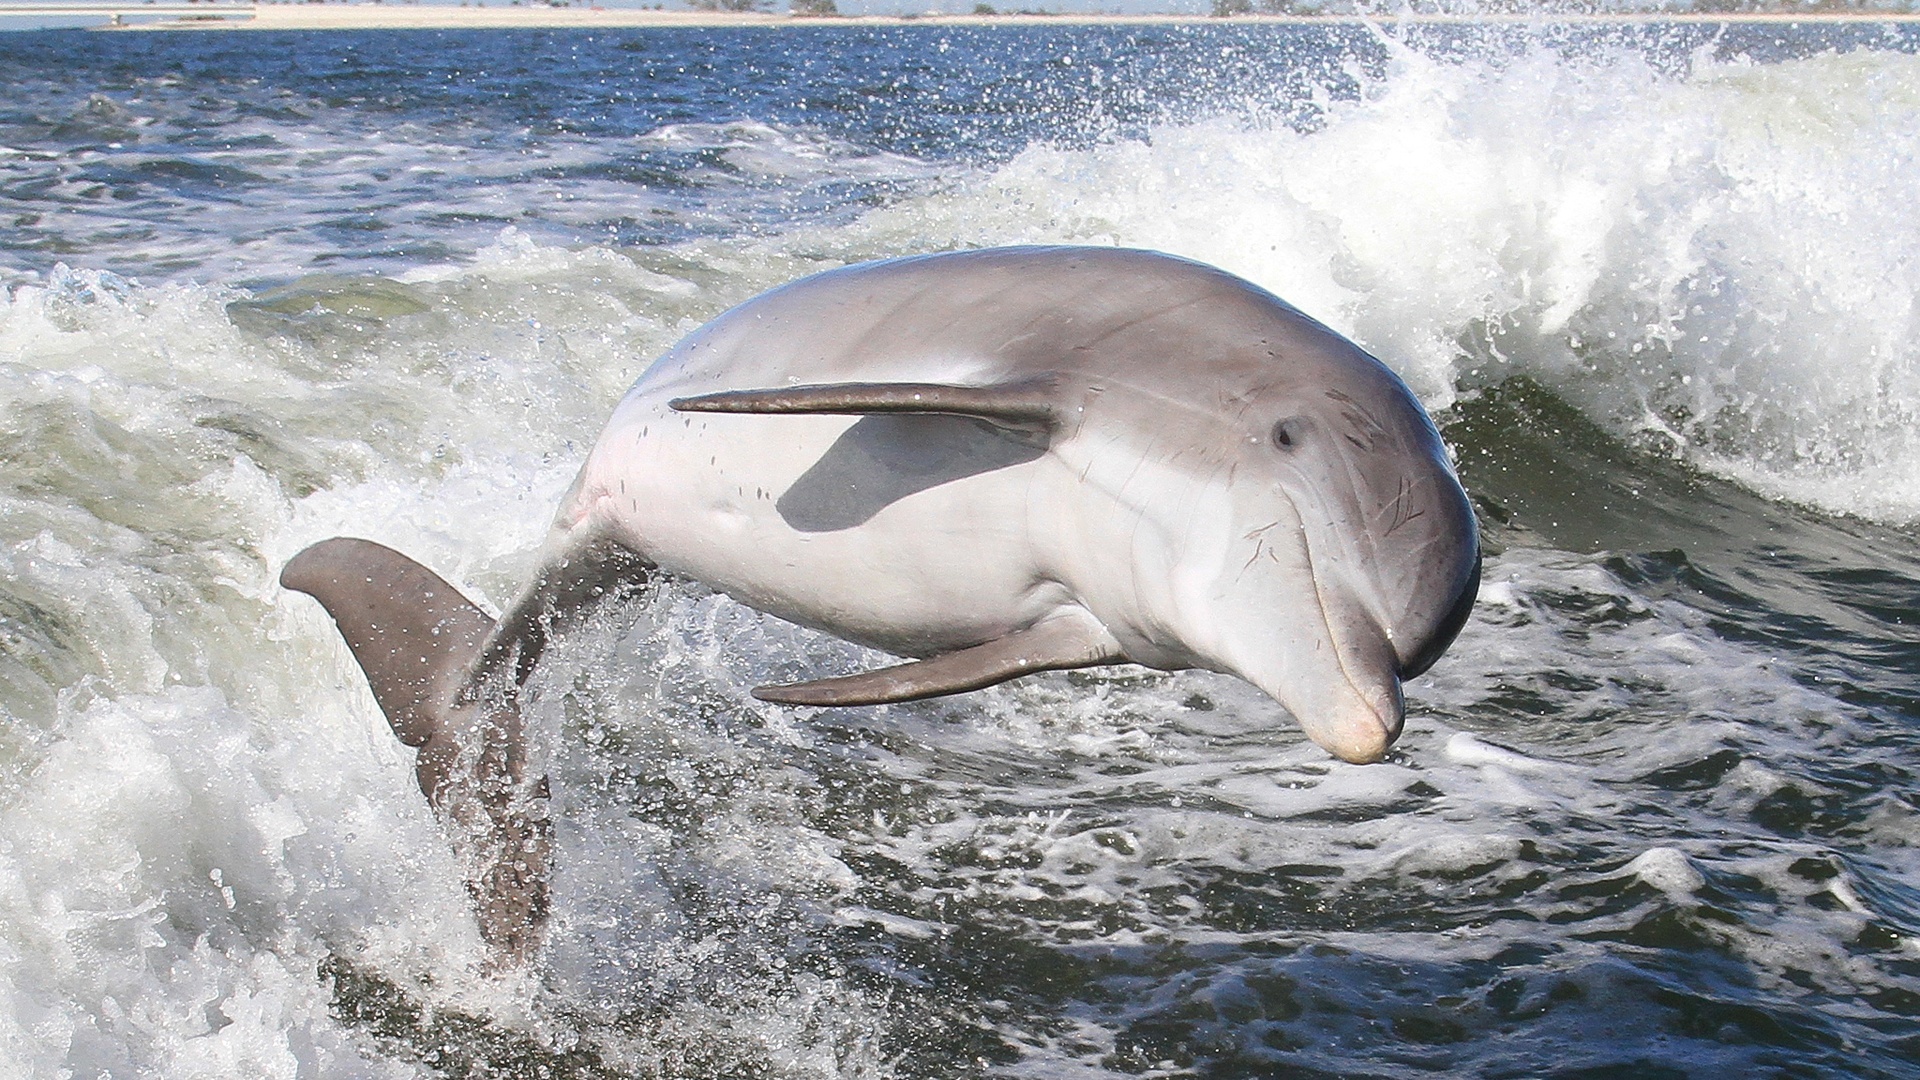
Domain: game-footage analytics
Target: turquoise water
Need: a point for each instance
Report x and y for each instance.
(1655, 813)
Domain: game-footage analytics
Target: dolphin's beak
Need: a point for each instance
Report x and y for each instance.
(1342, 686)
(1358, 722)
(1327, 660)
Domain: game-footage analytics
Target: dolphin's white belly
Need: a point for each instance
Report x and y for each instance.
(911, 534)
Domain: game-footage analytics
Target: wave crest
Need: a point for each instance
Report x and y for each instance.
(1718, 263)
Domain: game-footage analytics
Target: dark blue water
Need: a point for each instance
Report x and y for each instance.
(151, 128)
(152, 153)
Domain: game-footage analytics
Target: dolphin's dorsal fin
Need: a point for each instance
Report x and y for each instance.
(413, 634)
(1050, 646)
(1029, 404)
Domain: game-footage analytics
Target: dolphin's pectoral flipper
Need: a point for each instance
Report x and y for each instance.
(1050, 646)
(1032, 404)
(418, 641)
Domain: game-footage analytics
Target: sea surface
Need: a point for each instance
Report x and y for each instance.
(1656, 814)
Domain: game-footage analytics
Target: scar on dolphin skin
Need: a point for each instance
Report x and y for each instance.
(884, 415)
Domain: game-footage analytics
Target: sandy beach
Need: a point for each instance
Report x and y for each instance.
(368, 16)
(374, 16)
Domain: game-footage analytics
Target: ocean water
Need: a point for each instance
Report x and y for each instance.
(1656, 814)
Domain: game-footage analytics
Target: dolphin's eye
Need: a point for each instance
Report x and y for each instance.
(1287, 433)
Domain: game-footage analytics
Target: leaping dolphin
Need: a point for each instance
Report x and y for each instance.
(993, 462)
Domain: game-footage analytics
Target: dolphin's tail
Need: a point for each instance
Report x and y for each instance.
(419, 642)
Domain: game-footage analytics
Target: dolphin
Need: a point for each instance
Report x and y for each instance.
(989, 463)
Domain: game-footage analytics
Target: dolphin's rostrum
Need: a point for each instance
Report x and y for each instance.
(990, 462)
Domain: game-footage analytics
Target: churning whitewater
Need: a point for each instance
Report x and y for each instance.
(1656, 811)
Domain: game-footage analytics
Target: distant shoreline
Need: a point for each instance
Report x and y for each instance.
(380, 16)
(375, 16)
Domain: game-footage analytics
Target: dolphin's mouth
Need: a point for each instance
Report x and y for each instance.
(1370, 718)
(1364, 739)
(1359, 721)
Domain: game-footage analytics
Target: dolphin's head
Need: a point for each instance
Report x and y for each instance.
(1349, 556)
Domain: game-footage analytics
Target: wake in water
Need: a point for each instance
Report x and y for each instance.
(1655, 811)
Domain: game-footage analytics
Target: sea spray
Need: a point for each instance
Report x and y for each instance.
(1713, 264)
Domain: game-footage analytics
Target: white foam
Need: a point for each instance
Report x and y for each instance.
(123, 954)
(1668, 870)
